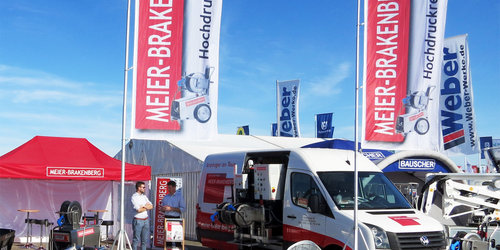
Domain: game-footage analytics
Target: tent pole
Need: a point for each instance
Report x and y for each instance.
(122, 235)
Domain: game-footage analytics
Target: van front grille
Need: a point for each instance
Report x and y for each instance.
(418, 240)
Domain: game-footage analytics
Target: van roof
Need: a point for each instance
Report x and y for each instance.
(316, 159)
(332, 160)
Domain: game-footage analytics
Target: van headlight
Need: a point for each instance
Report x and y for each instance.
(379, 236)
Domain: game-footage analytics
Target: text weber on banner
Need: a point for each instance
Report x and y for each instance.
(288, 108)
(176, 58)
(403, 47)
(458, 122)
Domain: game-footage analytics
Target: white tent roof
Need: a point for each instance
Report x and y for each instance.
(228, 143)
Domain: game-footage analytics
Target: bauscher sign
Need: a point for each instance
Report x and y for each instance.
(417, 164)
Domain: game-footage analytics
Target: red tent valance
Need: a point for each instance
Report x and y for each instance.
(60, 158)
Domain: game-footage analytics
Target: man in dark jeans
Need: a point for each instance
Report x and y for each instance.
(141, 221)
(173, 204)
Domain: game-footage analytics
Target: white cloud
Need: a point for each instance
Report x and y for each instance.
(40, 103)
(13, 76)
(19, 127)
(68, 98)
(236, 113)
(328, 84)
(24, 86)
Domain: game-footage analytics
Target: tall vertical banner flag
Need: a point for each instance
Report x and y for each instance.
(324, 128)
(288, 108)
(176, 59)
(402, 60)
(458, 122)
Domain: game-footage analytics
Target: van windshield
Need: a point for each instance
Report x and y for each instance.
(375, 190)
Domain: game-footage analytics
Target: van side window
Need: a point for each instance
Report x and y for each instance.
(303, 186)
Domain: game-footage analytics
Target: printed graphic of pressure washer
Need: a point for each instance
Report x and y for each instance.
(194, 101)
(415, 118)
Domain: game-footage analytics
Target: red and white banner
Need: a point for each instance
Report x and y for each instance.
(288, 108)
(159, 222)
(176, 57)
(70, 172)
(458, 122)
(401, 75)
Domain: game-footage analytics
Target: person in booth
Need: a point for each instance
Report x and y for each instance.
(173, 203)
(140, 224)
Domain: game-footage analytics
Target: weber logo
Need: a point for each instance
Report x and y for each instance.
(288, 113)
(453, 131)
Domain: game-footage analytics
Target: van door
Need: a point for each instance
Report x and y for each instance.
(299, 223)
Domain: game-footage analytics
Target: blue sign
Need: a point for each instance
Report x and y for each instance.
(324, 128)
(274, 129)
(485, 142)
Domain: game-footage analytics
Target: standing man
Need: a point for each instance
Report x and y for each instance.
(141, 221)
(172, 205)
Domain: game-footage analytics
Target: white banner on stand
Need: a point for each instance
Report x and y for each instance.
(288, 108)
(458, 122)
(176, 64)
(403, 54)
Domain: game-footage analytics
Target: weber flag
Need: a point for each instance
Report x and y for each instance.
(457, 119)
(402, 58)
(324, 125)
(288, 108)
(176, 65)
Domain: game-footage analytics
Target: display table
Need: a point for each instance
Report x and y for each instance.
(30, 229)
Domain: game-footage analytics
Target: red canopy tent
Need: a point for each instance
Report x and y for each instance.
(60, 158)
(45, 171)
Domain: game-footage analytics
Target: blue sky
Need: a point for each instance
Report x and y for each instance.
(62, 62)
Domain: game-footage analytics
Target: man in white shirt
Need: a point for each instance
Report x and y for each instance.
(141, 221)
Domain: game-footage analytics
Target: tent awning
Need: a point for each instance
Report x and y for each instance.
(375, 155)
(405, 161)
(60, 158)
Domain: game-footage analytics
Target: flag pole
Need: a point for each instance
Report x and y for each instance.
(277, 110)
(316, 126)
(122, 235)
(356, 229)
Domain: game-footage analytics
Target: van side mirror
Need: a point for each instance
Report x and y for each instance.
(314, 203)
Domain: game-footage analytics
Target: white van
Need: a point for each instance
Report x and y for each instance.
(272, 199)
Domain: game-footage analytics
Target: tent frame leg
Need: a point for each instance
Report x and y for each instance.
(119, 241)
